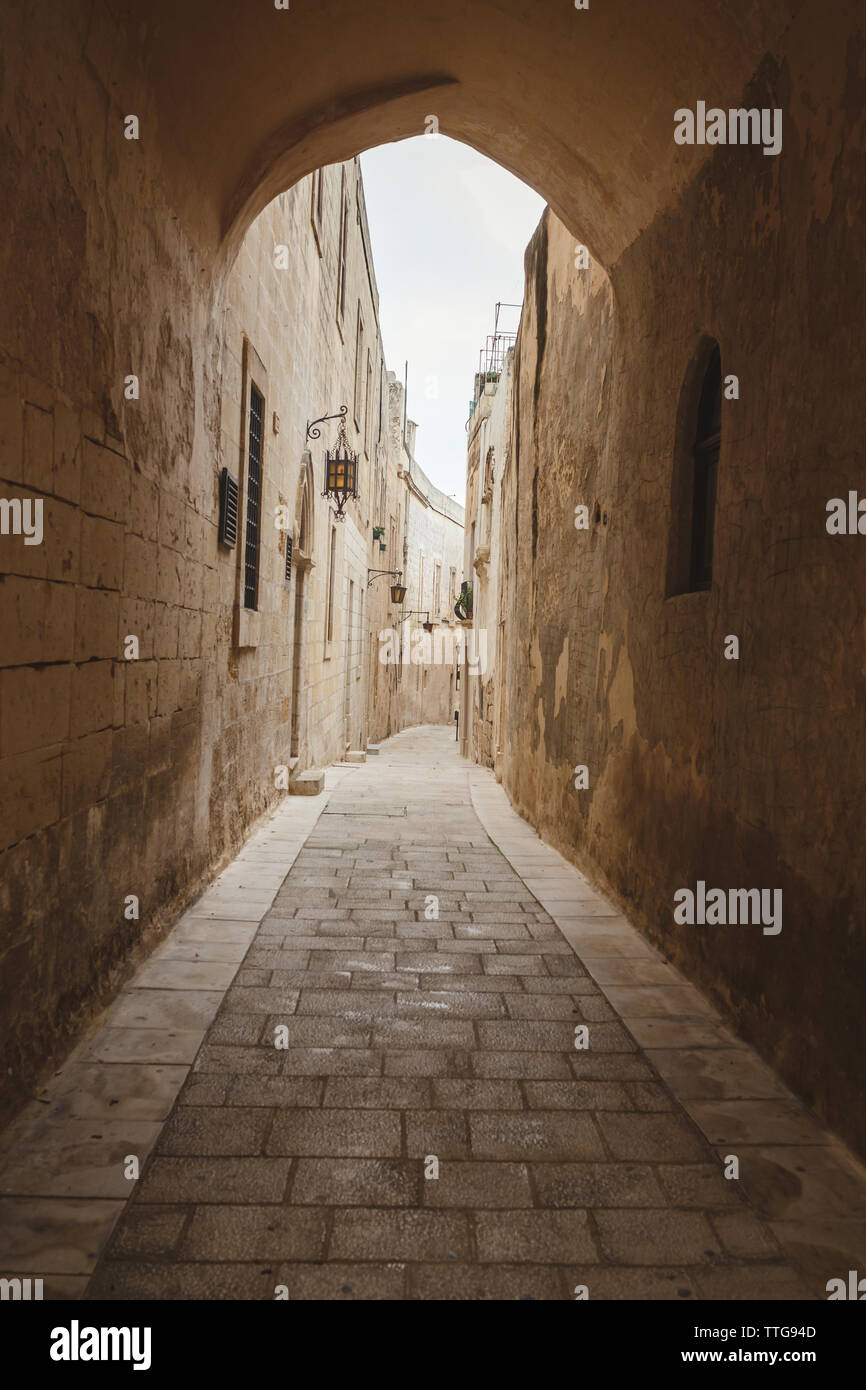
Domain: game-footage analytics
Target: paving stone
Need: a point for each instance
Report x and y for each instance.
(778, 1283)
(131, 1281)
(597, 1185)
(440, 962)
(548, 1135)
(540, 1237)
(717, 1073)
(89, 1091)
(441, 1133)
(346, 1004)
(351, 960)
(336, 1133)
(633, 1285)
(609, 1066)
(698, 1185)
(447, 1004)
(517, 1036)
(149, 1231)
(455, 1094)
(253, 977)
(426, 1032)
(331, 1061)
(377, 1093)
(399, 1236)
(656, 1237)
(649, 1095)
(261, 1001)
(575, 1095)
(416, 1062)
(241, 1030)
(514, 964)
(495, 1065)
(53, 1235)
(319, 1032)
(170, 1180)
(341, 1283)
(545, 1007)
(259, 1060)
(356, 1182)
(744, 1237)
(204, 1089)
(282, 1092)
(656, 1137)
(254, 1233)
(482, 1283)
(476, 1184)
(200, 1130)
(381, 982)
(470, 984)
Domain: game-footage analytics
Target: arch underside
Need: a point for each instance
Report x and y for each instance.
(578, 104)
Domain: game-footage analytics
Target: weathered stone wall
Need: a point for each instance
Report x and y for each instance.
(742, 773)
(139, 777)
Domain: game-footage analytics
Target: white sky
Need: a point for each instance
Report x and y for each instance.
(449, 229)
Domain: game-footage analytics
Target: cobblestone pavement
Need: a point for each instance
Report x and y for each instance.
(429, 1006)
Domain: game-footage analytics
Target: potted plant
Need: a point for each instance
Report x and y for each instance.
(463, 606)
(378, 532)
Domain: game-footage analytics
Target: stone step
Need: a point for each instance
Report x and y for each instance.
(307, 783)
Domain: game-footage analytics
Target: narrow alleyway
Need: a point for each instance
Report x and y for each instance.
(429, 1006)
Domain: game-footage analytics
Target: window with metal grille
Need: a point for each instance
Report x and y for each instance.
(706, 464)
(254, 487)
(288, 559)
(228, 530)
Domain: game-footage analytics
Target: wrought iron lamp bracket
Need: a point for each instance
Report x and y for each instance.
(374, 574)
(313, 433)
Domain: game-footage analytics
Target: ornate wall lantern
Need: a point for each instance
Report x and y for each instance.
(398, 590)
(421, 613)
(341, 463)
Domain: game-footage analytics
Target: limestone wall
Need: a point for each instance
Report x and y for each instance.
(135, 778)
(739, 772)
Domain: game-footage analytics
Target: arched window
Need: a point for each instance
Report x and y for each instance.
(708, 438)
(695, 472)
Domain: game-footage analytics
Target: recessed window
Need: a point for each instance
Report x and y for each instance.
(253, 499)
(706, 466)
(695, 474)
